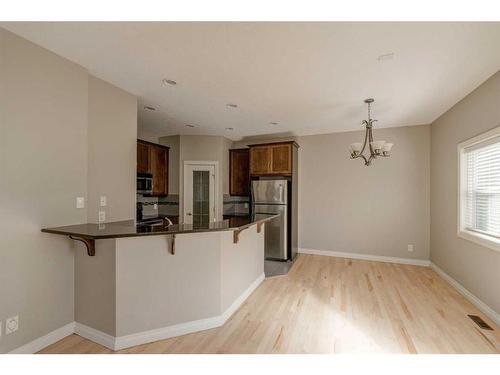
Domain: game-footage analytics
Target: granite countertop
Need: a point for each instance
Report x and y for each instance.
(236, 215)
(128, 228)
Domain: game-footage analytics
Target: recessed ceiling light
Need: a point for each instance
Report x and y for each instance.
(149, 108)
(189, 126)
(273, 123)
(387, 56)
(231, 105)
(229, 128)
(169, 82)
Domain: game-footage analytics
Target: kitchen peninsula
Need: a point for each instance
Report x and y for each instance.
(139, 284)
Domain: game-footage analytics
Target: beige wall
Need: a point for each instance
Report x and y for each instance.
(241, 263)
(63, 135)
(43, 168)
(377, 210)
(95, 287)
(175, 288)
(114, 287)
(112, 135)
(476, 267)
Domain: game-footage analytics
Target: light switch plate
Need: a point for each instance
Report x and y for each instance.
(11, 324)
(103, 201)
(80, 202)
(410, 248)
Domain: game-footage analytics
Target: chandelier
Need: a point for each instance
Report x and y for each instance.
(377, 148)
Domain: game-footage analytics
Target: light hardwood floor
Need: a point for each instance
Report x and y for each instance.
(336, 305)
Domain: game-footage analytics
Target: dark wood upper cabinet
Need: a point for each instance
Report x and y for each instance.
(281, 159)
(142, 157)
(272, 159)
(153, 158)
(159, 170)
(239, 177)
(260, 160)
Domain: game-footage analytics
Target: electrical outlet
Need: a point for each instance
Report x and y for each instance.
(410, 248)
(102, 216)
(11, 324)
(103, 201)
(246, 205)
(80, 202)
(155, 206)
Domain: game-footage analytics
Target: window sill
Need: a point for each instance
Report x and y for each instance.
(480, 239)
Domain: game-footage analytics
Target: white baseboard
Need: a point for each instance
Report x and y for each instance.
(145, 337)
(140, 338)
(95, 335)
(488, 311)
(123, 342)
(239, 301)
(375, 258)
(46, 340)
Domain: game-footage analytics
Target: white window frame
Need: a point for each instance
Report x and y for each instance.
(473, 236)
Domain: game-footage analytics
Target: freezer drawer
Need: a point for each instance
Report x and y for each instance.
(275, 234)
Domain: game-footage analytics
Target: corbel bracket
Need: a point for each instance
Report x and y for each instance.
(89, 244)
(236, 233)
(172, 246)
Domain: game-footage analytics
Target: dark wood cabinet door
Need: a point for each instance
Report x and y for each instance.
(281, 159)
(159, 170)
(142, 157)
(260, 160)
(239, 177)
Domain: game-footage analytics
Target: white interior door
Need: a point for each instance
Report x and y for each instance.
(199, 194)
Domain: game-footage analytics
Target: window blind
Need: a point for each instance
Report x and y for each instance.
(482, 190)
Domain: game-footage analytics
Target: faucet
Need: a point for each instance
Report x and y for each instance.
(169, 222)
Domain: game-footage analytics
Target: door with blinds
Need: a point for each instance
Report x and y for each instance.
(199, 195)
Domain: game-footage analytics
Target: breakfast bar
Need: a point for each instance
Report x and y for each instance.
(137, 284)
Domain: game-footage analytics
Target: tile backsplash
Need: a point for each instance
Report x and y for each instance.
(149, 205)
(169, 205)
(152, 206)
(235, 205)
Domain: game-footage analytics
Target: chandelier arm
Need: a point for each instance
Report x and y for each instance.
(364, 144)
(370, 138)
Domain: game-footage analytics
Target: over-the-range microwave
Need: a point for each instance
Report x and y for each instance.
(144, 183)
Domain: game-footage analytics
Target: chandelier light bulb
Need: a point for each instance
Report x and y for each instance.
(356, 147)
(387, 147)
(377, 146)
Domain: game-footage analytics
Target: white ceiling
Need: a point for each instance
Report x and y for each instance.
(311, 78)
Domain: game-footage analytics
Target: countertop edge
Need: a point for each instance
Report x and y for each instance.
(166, 233)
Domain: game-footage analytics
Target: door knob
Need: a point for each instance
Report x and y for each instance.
(189, 214)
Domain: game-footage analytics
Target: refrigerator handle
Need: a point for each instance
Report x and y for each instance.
(281, 193)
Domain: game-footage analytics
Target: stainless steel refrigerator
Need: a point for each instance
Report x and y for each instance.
(273, 196)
